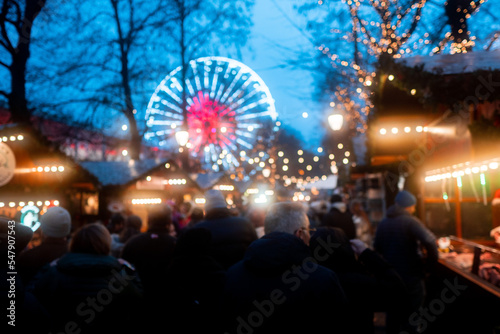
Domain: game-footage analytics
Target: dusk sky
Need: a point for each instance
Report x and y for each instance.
(291, 89)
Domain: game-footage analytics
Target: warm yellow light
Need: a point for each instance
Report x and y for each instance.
(383, 131)
(340, 146)
(407, 129)
(419, 128)
(390, 77)
(394, 130)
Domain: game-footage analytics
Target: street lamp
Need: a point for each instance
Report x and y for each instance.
(335, 121)
(182, 137)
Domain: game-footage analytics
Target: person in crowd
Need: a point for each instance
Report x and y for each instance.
(151, 252)
(400, 238)
(339, 216)
(185, 210)
(197, 215)
(23, 313)
(317, 210)
(285, 290)
(116, 223)
(370, 283)
(55, 225)
(133, 225)
(230, 235)
(256, 215)
(364, 231)
(196, 284)
(87, 290)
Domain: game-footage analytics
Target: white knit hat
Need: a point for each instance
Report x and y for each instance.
(56, 222)
(214, 200)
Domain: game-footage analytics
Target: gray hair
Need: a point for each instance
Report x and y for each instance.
(285, 217)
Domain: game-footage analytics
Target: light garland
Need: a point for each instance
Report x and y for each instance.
(460, 170)
(146, 201)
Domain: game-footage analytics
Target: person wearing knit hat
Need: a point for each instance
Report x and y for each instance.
(56, 226)
(405, 199)
(399, 238)
(214, 199)
(56, 222)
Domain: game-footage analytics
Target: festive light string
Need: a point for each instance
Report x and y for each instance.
(392, 43)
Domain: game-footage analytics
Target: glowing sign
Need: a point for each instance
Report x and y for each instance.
(29, 217)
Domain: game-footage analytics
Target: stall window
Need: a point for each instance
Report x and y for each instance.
(476, 220)
(440, 189)
(440, 218)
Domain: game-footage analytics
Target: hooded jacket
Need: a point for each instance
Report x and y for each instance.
(399, 238)
(278, 288)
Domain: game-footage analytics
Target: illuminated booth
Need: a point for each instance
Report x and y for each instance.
(437, 132)
(35, 175)
(133, 186)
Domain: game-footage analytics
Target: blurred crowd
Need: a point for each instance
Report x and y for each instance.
(321, 267)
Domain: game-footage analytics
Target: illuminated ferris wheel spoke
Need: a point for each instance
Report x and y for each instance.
(230, 88)
(214, 85)
(238, 103)
(190, 87)
(244, 143)
(238, 91)
(250, 116)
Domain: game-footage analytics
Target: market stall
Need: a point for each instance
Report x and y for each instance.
(35, 175)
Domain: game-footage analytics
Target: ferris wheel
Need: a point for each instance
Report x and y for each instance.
(229, 108)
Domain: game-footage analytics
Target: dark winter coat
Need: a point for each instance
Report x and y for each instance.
(89, 292)
(230, 237)
(31, 261)
(399, 238)
(370, 283)
(196, 284)
(150, 253)
(341, 219)
(277, 288)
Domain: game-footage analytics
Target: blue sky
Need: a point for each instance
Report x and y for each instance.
(291, 89)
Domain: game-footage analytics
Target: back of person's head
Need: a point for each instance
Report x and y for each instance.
(356, 206)
(56, 222)
(21, 235)
(159, 217)
(197, 215)
(336, 198)
(91, 239)
(256, 215)
(285, 217)
(116, 222)
(405, 199)
(342, 258)
(133, 225)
